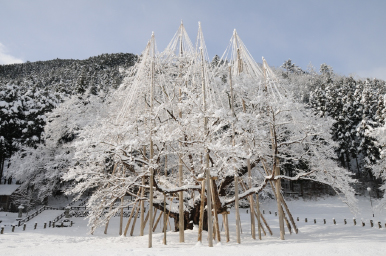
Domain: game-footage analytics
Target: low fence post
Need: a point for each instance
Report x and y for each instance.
(24, 226)
(35, 225)
(371, 223)
(49, 224)
(13, 228)
(345, 222)
(379, 224)
(2, 230)
(45, 224)
(355, 221)
(333, 219)
(324, 220)
(314, 221)
(305, 220)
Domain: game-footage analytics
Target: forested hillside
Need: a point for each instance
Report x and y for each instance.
(357, 107)
(30, 90)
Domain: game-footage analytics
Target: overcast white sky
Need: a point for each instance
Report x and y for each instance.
(348, 35)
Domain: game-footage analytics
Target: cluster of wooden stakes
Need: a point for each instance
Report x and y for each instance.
(207, 185)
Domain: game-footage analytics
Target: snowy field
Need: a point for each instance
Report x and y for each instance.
(313, 239)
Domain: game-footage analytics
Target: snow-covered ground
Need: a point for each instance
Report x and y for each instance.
(313, 239)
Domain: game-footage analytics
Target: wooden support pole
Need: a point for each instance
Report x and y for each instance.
(135, 220)
(165, 219)
(201, 221)
(280, 209)
(145, 221)
(153, 218)
(259, 226)
(236, 174)
(252, 209)
(121, 218)
(262, 229)
(252, 202)
(142, 205)
(207, 170)
(226, 224)
(238, 228)
(131, 214)
(209, 205)
(151, 146)
(158, 219)
(216, 226)
(283, 202)
(287, 223)
(181, 219)
(265, 222)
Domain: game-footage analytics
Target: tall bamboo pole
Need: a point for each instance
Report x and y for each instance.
(142, 203)
(165, 217)
(151, 145)
(258, 215)
(165, 220)
(201, 221)
(216, 225)
(252, 209)
(181, 193)
(207, 170)
(121, 218)
(226, 224)
(236, 173)
(278, 186)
